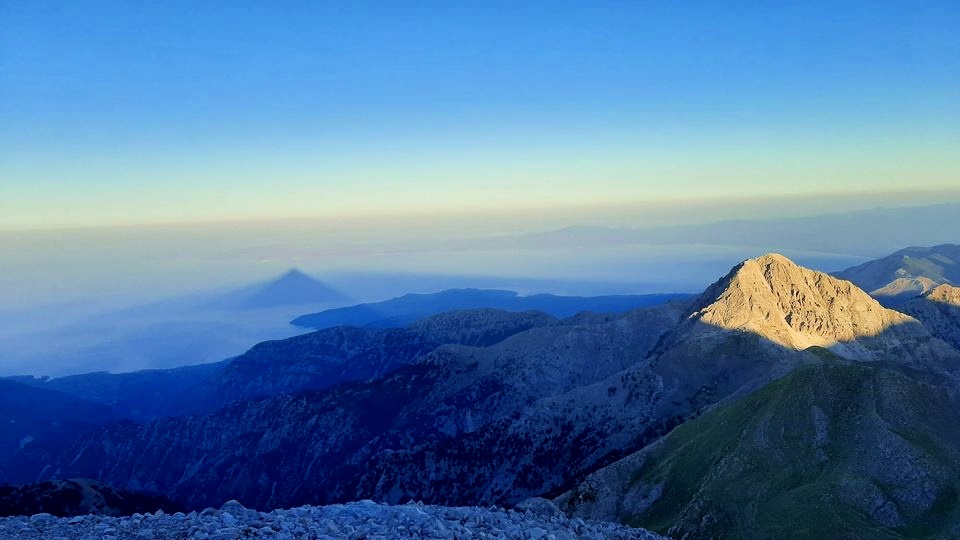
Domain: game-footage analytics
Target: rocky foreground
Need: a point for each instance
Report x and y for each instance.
(363, 519)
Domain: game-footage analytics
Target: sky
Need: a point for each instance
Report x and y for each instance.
(135, 112)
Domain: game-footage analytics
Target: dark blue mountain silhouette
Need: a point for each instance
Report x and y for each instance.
(403, 310)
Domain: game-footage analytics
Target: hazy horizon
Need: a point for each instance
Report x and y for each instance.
(200, 256)
(66, 291)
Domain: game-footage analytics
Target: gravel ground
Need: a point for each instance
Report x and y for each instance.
(367, 520)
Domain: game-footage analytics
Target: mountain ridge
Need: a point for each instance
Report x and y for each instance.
(737, 471)
(866, 232)
(907, 273)
(939, 310)
(834, 449)
(532, 414)
(543, 406)
(794, 306)
(409, 308)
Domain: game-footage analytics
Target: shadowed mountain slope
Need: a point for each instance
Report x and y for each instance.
(307, 362)
(327, 446)
(78, 497)
(332, 356)
(35, 422)
(139, 395)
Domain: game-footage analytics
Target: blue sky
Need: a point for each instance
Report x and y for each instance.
(115, 113)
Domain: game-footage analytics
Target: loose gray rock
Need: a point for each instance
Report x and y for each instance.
(364, 519)
(539, 507)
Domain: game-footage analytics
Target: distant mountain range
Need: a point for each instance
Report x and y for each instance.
(919, 281)
(488, 406)
(404, 310)
(867, 233)
(805, 409)
(907, 273)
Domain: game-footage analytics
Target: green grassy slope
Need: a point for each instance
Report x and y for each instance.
(833, 450)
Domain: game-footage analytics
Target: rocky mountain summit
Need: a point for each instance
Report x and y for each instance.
(945, 294)
(796, 307)
(860, 433)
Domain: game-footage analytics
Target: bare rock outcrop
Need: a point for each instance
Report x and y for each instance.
(939, 311)
(795, 307)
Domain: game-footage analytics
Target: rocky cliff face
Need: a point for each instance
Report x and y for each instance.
(794, 307)
(939, 311)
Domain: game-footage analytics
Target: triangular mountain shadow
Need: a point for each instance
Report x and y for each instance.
(293, 288)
